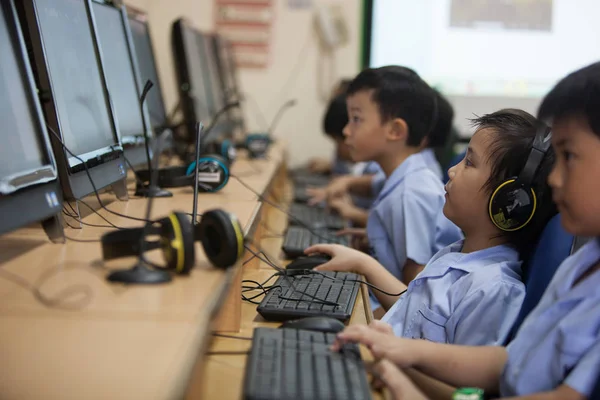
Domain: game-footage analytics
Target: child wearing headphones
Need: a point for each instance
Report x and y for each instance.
(471, 291)
(556, 352)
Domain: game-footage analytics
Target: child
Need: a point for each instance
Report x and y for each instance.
(391, 110)
(471, 291)
(556, 352)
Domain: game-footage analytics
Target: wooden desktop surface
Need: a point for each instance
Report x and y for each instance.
(134, 342)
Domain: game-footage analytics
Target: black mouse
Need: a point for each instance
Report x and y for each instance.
(318, 324)
(308, 262)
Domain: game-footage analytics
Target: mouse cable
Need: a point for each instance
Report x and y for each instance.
(72, 239)
(278, 207)
(313, 272)
(286, 277)
(58, 301)
(87, 171)
(231, 336)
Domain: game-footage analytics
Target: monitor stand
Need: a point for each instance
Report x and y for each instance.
(119, 188)
(54, 229)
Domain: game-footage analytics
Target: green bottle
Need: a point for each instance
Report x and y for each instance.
(468, 394)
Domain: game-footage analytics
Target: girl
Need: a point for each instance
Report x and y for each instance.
(471, 291)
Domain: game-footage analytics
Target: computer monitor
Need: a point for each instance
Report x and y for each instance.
(122, 76)
(223, 51)
(147, 68)
(71, 80)
(213, 73)
(196, 105)
(29, 189)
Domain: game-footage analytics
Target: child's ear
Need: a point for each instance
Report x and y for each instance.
(398, 130)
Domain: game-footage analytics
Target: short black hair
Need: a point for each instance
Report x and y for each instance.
(336, 117)
(443, 123)
(399, 92)
(509, 148)
(578, 94)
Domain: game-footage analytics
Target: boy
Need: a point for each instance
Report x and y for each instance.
(391, 111)
(556, 352)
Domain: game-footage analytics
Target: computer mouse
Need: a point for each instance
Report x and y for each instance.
(308, 262)
(318, 324)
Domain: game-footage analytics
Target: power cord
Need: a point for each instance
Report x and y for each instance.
(87, 171)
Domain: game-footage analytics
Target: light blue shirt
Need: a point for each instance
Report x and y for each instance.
(406, 219)
(462, 298)
(559, 342)
(430, 160)
(368, 168)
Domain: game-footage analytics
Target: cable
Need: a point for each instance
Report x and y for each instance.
(76, 218)
(286, 277)
(231, 336)
(311, 271)
(82, 240)
(95, 212)
(137, 178)
(269, 202)
(87, 171)
(59, 300)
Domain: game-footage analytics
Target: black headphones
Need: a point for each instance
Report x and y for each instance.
(219, 232)
(213, 174)
(513, 203)
(223, 148)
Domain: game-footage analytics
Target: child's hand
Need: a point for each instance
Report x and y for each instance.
(343, 206)
(343, 259)
(317, 195)
(400, 386)
(400, 351)
(319, 165)
(338, 187)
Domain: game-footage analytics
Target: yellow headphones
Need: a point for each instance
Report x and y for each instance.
(513, 203)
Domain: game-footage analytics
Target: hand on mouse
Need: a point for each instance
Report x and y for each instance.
(343, 259)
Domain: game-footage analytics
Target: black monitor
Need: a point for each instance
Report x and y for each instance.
(147, 68)
(191, 75)
(122, 76)
(71, 81)
(212, 73)
(29, 189)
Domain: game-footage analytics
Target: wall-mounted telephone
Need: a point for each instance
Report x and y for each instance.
(331, 25)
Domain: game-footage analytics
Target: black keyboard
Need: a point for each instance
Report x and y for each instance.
(297, 239)
(314, 217)
(298, 364)
(311, 180)
(300, 195)
(323, 294)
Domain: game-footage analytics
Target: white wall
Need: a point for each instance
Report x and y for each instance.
(295, 69)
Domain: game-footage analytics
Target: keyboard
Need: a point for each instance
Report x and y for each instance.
(311, 180)
(315, 217)
(297, 239)
(298, 364)
(313, 295)
(300, 195)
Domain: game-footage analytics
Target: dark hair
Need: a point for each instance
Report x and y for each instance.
(578, 94)
(443, 124)
(336, 117)
(399, 92)
(509, 148)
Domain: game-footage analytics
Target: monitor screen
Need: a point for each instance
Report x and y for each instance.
(148, 71)
(193, 47)
(119, 69)
(74, 69)
(215, 86)
(23, 149)
(509, 48)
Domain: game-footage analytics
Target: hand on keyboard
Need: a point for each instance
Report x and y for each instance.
(382, 344)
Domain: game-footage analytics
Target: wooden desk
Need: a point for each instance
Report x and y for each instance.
(223, 375)
(121, 342)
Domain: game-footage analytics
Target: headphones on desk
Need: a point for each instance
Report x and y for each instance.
(513, 203)
(213, 174)
(219, 232)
